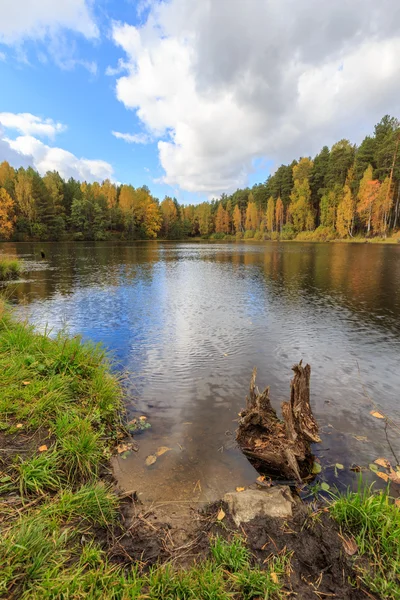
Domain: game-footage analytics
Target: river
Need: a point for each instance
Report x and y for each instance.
(187, 322)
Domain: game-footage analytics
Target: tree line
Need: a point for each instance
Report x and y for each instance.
(343, 191)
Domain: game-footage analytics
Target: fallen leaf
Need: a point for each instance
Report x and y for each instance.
(220, 514)
(339, 466)
(261, 478)
(383, 475)
(274, 577)
(382, 462)
(325, 486)
(19, 425)
(25, 382)
(122, 448)
(42, 448)
(377, 414)
(143, 418)
(316, 468)
(240, 489)
(162, 450)
(150, 460)
(397, 502)
(349, 545)
(373, 467)
(361, 438)
(394, 476)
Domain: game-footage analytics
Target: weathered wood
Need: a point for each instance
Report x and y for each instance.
(280, 448)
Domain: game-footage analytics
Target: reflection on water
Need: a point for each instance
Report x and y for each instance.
(189, 321)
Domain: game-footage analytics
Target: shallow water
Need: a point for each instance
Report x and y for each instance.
(189, 321)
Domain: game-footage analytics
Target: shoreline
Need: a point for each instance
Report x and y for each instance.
(67, 529)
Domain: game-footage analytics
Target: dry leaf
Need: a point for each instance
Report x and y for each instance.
(240, 489)
(394, 476)
(150, 460)
(397, 502)
(361, 438)
(349, 545)
(261, 478)
(123, 448)
(43, 448)
(377, 414)
(274, 577)
(143, 418)
(382, 475)
(162, 450)
(19, 425)
(382, 462)
(26, 382)
(220, 514)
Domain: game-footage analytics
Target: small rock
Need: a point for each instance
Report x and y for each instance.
(272, 502)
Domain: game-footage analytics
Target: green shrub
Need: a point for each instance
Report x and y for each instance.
(9, 269)
(288, 233)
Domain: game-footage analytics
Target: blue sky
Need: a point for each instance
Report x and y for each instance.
(221, 92)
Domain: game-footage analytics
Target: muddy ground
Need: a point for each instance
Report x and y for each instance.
(320, 567)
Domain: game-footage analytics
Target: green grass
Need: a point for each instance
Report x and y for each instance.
(60, 393)
(9, 268)
(374, 521)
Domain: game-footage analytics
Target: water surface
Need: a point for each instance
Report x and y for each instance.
(189, 321)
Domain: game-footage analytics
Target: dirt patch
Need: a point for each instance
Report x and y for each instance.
(320, 568)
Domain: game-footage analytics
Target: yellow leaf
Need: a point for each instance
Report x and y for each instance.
(220, 514)
(261, 478)
(397, 502)
(361, 438)
(240, 489)
(43, 448)
(150, 460)
(122, 448)
(162, 450)
(394, 476)
(274, 577)
(382, 475)
(26, 382)
(382, 462)
(143, 418)
(377, 414)
(19, 425)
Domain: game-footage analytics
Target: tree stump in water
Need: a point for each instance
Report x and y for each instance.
(280, 448)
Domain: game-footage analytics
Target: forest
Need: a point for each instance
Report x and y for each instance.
(343, 192)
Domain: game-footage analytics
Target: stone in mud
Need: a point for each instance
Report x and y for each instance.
(273, 502)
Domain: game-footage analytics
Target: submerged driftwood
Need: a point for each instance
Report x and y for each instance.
(280, 448)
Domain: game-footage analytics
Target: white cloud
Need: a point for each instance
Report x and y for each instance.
(224, 85)
(2, 57)
(38, 19)
(45, 158)
(27, 150)
(132, 138)
(29, 124)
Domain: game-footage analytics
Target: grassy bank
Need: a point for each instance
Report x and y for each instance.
(9, 269)
(374, 521)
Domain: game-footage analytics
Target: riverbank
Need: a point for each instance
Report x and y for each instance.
(67, 532)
